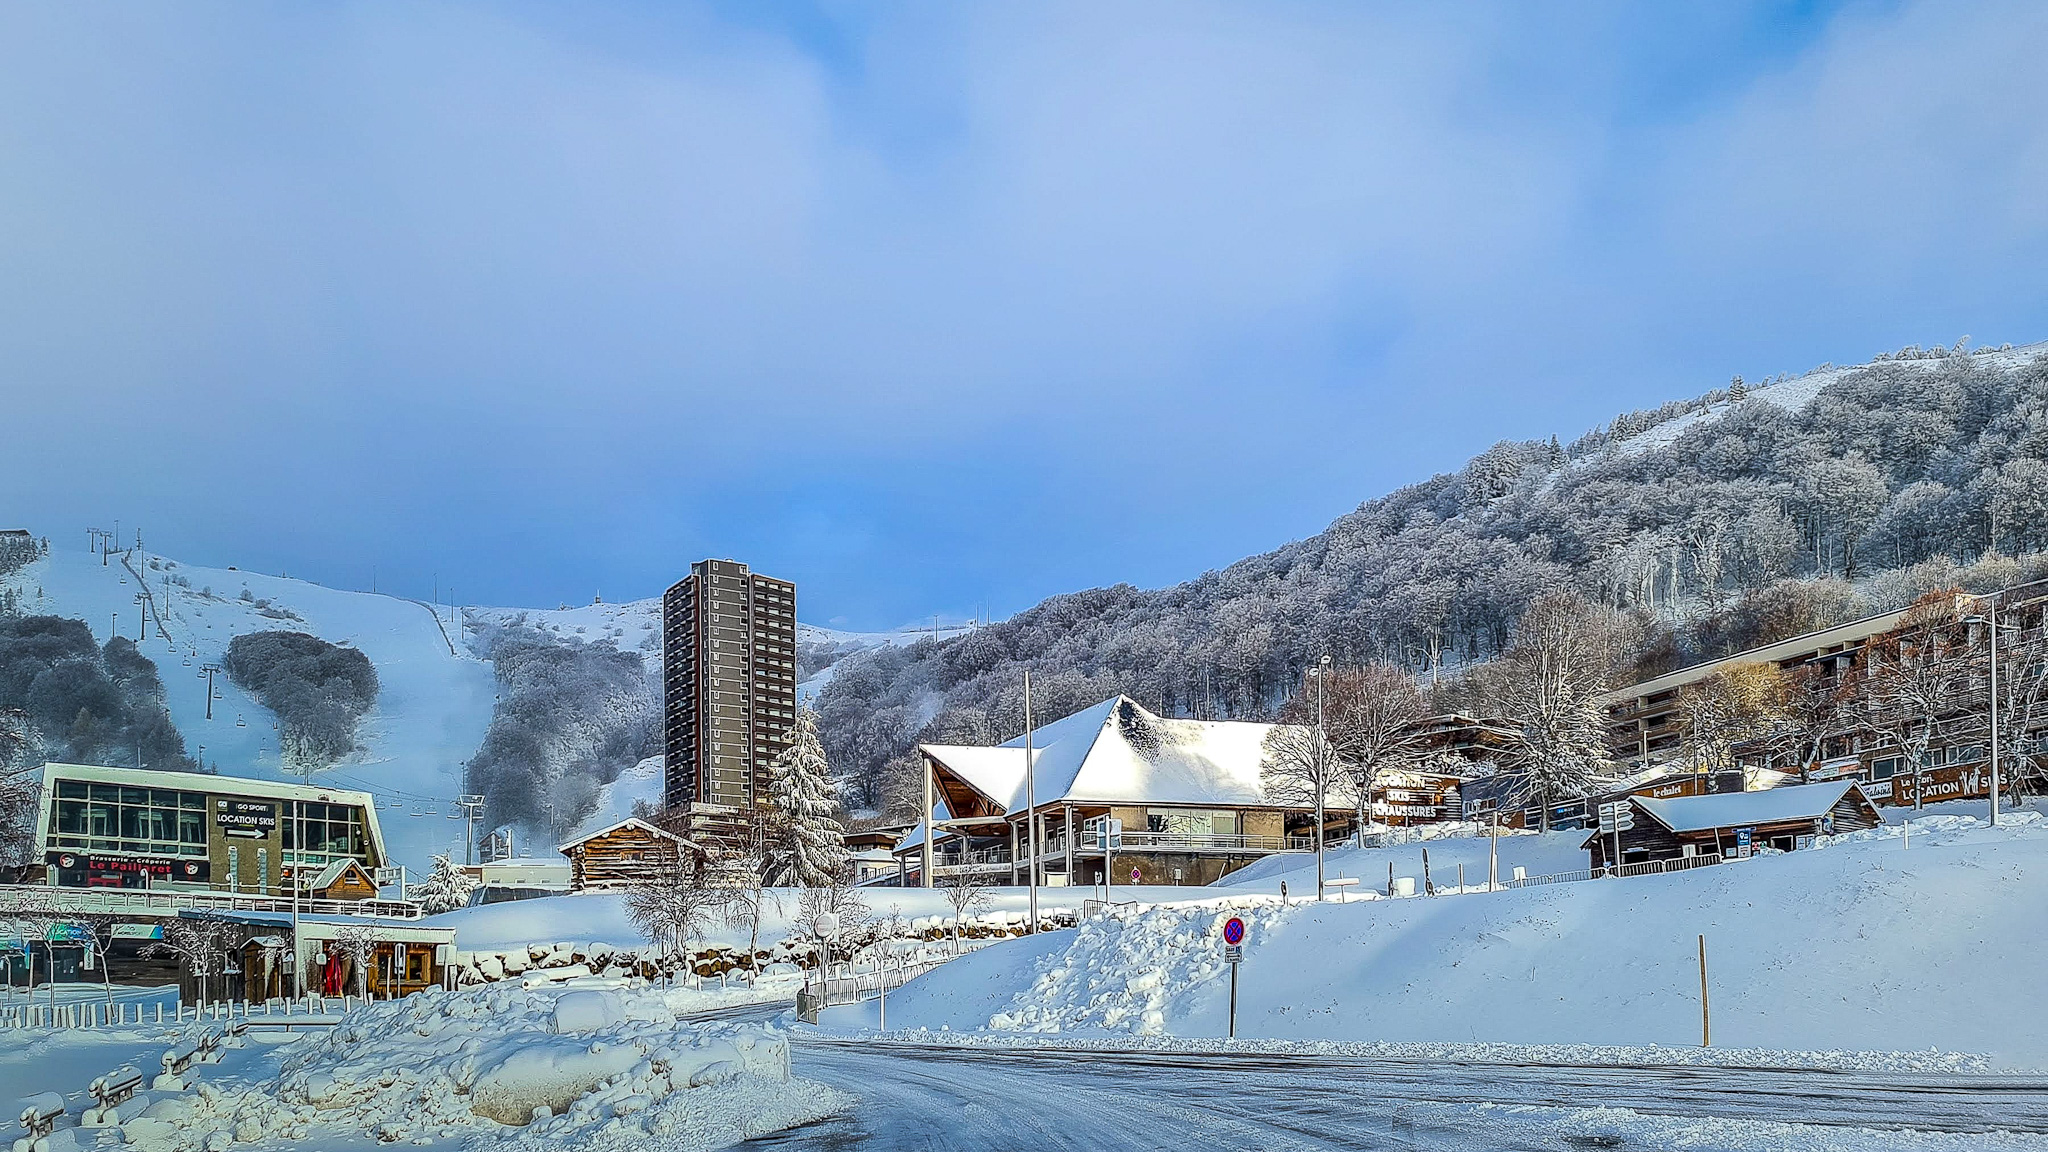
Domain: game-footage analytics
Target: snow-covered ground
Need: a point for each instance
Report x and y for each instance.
(598, 1064)
(1864, 945)
(587, 917)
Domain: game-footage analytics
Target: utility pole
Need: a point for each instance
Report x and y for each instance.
(209, 669)
(1030, 806)
(1321, 672)
(472, 810)
(925, 863)
(1993, 633)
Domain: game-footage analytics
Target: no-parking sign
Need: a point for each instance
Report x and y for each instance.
(1233, 931)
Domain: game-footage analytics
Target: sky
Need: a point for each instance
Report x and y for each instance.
(937, 309)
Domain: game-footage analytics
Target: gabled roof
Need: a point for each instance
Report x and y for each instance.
(1116, 752)
(333, 872)
(632, 820)
(1737, 809)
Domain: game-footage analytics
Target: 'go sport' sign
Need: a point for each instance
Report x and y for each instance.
(248, 819)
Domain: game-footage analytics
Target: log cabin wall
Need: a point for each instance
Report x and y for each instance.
(621, 858)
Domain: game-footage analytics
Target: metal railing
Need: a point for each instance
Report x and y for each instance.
(82, 1013)
(1092, 842)
(1645, 868)
(166, 900)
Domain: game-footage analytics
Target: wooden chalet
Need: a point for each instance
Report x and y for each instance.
(1186, 796)
(342, 880)
(1726, 823)
(629, 852)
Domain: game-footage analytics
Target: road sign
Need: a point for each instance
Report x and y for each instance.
(1742, 842)
(1136, 875)
(1617, 817)
(1233, 954)
(1233, 931)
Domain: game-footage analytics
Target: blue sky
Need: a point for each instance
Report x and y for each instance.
(929, 307)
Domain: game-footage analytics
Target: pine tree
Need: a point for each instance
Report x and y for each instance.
(809, 848)
(445, 889)
(1737, 390)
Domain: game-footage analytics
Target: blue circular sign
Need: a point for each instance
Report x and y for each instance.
(1233, 931)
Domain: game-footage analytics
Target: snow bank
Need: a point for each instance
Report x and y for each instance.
(597, 1069)
(1861, 946)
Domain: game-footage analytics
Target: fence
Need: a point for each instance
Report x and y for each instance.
(855, 986)
(100, 1014)
(168, 901)
(1647, 868)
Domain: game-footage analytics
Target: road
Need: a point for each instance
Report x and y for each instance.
(933, 1097)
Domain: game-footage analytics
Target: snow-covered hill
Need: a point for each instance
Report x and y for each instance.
(433, 703)
(435, 698)
(1863, 945)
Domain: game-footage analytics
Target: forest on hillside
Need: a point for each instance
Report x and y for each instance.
(1756, 520)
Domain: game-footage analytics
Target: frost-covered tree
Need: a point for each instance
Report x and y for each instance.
(1565, 655)
(810, 846)
(445, 888)
(681, 902)
(966, 892)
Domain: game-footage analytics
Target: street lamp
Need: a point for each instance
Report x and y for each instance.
(1991, 630)
(1320, 673)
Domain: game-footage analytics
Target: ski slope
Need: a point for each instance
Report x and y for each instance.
(435, 694)
(433, 703)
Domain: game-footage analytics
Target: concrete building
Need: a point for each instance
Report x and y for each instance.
(103, 827)
(728, 694)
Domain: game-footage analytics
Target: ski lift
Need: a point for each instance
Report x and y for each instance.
(187, 661)
(241, 723)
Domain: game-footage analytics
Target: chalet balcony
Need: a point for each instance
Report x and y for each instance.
(1192, 842)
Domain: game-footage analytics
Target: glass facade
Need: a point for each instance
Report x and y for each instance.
(332, 831)
(114, 818)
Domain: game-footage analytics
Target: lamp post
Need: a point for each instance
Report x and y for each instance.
(1321, 673)
(1991, 629)
(1030, 808)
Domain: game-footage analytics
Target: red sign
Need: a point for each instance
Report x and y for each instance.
(1233, 931)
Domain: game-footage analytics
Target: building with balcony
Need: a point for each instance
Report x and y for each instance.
(1114, 792)
(728, 658)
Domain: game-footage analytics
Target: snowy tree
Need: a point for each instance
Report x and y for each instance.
(1298, 760)
(1918, 674)
(1369, 715)
(966, 892)
(358, 943)
(1728, 708)
(681, 902)
(1565, 655)
(810, 849)
(200, 944)
(446, 888)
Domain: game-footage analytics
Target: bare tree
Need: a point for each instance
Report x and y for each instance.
(29, 915)
(1565, 655)
(1370, 714)
(680, 904)
(1299, 759)
(746, 879)
(198, 942)
(1729, 708)
(966, 892)
(1919, 674)
(829, 910)
(359, 943)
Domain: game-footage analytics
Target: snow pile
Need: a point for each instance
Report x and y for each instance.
(594, 1068)
(1121, 971)
(1860, 946)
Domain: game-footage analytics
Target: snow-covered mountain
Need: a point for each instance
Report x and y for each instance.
(436, 693)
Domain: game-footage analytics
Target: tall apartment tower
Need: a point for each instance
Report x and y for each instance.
(728, 657)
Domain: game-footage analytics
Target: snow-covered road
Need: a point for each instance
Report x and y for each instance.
(942, 1096)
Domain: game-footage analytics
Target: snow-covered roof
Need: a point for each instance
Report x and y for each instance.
(915, 837)
(1737, 809)
(1116, 752)
(633, 820)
